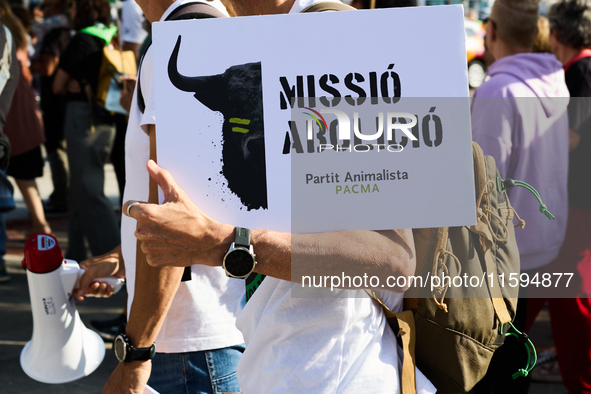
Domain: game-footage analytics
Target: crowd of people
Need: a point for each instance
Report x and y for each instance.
(52, 108)
(195, 329)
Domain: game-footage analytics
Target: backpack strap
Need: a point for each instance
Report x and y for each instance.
(194, 11)
(6, 73)
(183, 12)
(497, 298)
(324, 6)
(403, 325)
(6, 59)
(407, 334)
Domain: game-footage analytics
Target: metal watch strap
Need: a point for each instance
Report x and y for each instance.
(242, 237)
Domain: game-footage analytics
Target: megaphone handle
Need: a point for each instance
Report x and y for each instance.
(116, 283)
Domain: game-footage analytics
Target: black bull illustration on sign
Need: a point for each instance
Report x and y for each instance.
(238, 95)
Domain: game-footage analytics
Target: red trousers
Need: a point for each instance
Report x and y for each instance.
(571, 317)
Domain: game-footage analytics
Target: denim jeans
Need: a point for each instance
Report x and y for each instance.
(6, 205)
(204, 372)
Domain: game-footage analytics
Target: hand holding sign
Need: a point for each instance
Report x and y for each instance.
(177, 233)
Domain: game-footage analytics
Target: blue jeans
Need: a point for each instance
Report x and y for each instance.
(204, 372)
(6, 205)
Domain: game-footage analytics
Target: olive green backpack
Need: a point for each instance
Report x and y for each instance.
(452, 333)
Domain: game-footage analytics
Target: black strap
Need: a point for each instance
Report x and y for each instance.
(323, 6)
(143, 354)
(194, 11)
(183, 12)
(186, 274)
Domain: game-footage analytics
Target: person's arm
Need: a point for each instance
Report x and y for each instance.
(133, 33)
(574, 139)
(23, 58)
(60, 82)
(126, 98)
(155, 288)
(178, 233)
(46, 65)
(63, 83)
(579, 121)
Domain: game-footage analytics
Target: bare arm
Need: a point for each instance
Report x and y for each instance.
(155, 288)
(60, 82)
(127, 92)
(574, 139)
(45, 66)
(179, 233)
(354, 253)
(23, 58)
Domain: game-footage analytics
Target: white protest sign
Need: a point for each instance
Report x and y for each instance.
(236, 128)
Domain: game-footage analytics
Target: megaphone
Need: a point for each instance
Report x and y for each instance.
(62, 348)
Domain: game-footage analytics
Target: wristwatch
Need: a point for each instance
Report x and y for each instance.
(125, 352)
(239, 260)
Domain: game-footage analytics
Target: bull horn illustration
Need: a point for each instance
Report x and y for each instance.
(207, 89)
(186, 84)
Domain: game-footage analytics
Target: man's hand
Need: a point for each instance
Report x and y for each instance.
(129, 378)
(110, 264)
(177, 233)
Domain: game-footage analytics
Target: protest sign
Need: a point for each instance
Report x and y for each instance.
(319, 122)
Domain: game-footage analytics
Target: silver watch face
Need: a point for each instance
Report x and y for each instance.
(239, 262)
(120, 348)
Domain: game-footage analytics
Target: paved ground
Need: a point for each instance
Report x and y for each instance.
(16, 323)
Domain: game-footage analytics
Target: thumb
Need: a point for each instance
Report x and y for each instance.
(164, 179)
(85, 280)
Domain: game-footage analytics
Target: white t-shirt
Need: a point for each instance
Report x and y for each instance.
(132, 20)
(318, 344)
(202, 315)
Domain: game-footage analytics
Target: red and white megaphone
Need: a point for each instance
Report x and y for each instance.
(62, 348)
